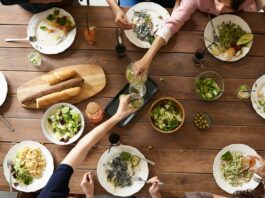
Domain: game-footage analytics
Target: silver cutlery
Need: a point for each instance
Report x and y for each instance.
(248, 91)
(29, 38)
(8, 125)
(142, 180)
(144, 159)
(215, 36)
(9, 165)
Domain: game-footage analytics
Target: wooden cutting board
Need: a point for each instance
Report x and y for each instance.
(94, 81)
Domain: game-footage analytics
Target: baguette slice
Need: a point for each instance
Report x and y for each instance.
(57, 97)
(59, 76)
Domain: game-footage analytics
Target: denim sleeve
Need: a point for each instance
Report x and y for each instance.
(12, 2)
(57, 186)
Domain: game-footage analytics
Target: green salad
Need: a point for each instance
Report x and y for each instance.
(207, 88)
(229, 33)
(233, 169)
(65, 122)
(166, 116)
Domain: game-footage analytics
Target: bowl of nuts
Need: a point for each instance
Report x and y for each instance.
(202, 120)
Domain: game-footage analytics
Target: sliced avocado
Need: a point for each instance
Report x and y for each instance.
(246, 38)
(135, 160)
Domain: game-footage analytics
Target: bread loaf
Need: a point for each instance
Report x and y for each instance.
(57, 97)
(75, 82)
(59, 76)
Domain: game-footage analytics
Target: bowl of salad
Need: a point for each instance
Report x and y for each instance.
(63, 123)
(209, 85)
(167, 115)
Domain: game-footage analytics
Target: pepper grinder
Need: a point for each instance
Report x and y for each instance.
(120, 48)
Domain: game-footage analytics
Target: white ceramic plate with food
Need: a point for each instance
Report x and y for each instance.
(52, 38)
(37, 183)
(140, 170)
(3, 88)
(56, 129)
(158, 15)
(217, 173)
(218, 21)
(258, 94)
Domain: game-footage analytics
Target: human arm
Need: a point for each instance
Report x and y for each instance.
(79, 152)
(181, 13)
(120, 18)
(12, 2)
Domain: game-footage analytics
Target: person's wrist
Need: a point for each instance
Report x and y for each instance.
(116, 117)
(89, 196)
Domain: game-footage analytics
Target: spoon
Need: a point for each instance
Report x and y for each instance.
(29, 38)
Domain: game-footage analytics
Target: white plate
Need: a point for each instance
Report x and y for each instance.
(217, 169)
(155, 11)
(32, 31)
(39, 183)
(47, 131)
(259, 85)
(141, 170)
(3, 88)
(218, 21)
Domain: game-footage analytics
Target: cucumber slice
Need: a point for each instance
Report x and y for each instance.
(246, 38)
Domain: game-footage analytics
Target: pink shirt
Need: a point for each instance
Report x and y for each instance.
(183, 12)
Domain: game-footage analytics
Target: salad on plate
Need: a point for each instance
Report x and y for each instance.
(65, 123)
(28, 165)
(235, 168)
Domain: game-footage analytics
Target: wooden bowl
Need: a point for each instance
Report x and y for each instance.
(177, 104)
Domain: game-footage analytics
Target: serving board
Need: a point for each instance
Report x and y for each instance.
(94, 81)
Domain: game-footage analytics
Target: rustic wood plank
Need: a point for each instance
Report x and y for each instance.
(197, 21)
(183, 41)
(180, 63)
(217, 137)
(222, 113)
(174, 86)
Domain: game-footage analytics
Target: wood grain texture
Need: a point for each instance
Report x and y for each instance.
(184, 159)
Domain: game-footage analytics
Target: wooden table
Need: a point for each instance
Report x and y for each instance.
(184, 159)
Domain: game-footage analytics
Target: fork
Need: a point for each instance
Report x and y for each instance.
(142, 180)
(215, 36)
(29, 38)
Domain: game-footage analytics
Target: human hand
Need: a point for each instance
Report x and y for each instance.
(141, 67)
(261, 170)
(87, 185)
(121, 20)
(124, 110)
(154, 189)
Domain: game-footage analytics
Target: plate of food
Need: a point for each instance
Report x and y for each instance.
(54, 29)
(235, 37)
(118, 169)
(31, 165)
(63, 124)
(147, 18)
(258, 96)
(231, 168)
(3, 88)
(167, 115)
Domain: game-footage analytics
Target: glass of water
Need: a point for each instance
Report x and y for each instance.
(34, 58)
